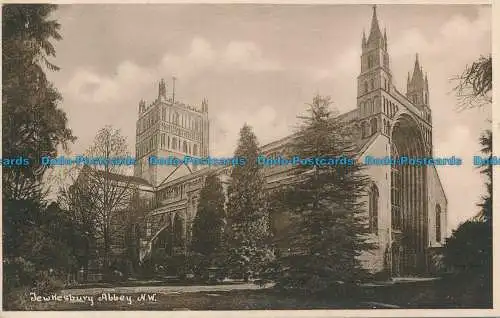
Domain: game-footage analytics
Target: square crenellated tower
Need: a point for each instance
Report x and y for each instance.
(168, 128)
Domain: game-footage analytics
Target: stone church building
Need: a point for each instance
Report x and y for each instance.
(406, 205)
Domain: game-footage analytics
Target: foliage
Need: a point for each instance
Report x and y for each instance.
(328, 230)
(209, 220)
(486, 213)
(469, 251)
(42, 234)
(102, 198)
(32, 124)
(470, 247)
(197, 264)
(37, 237)
(475, 84)
(22, 277)
(247, 216)
(134, 228)
(40, 246)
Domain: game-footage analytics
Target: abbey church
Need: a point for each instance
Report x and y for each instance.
(406, 205)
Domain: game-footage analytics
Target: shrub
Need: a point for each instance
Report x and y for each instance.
(47, 282)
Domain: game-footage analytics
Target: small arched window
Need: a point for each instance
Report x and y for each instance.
(373, 125)
(364, 130)
(372, 84)
(185, 147)
(366, 87)
(438, 223)
(370, 61)
(376, 102)
(373, 208)
(176, 118)
(174, 143)
(195, 150)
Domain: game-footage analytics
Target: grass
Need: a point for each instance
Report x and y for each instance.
(451, 292)
(227, 300)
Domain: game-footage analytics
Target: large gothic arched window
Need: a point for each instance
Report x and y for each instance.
(373, 208)
(185, 147)
(438, 223)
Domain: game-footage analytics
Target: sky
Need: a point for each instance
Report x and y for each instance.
(260, 64)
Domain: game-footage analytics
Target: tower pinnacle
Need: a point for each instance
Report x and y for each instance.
(417, 71)
(204, 105)
(375, 29)
(417, 87)
(162, 90)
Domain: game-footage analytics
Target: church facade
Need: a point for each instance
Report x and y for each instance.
(406, 205)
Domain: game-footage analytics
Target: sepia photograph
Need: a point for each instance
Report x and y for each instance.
(235, 157)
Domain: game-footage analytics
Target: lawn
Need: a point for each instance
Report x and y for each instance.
(224, 300)
(452, 292)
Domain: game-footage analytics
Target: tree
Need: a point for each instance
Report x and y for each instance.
(486, 212)
(209, 221)
(475, 84)
(77, 200)
(32, 124)
(469, 250)
(328, 229)
(135, 227)
(102, 194)
(247, 215)
(474, 90)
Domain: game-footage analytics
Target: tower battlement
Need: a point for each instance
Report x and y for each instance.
(170, 101)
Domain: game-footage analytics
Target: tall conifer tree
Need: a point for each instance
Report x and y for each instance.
(328, 228)
(209, 221)
(247, 215)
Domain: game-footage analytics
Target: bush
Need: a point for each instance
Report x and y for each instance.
(197, 264)
(17, 272)
(47, 282)
(16, 294)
